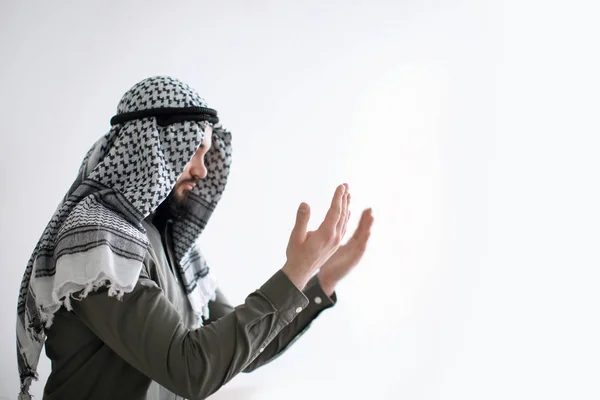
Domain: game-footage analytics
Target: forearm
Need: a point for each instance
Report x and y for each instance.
(318, 302)
(148, 333)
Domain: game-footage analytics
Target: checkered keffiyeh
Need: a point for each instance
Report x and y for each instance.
(95, 237)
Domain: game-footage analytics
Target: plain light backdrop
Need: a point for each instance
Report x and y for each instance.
(470, 127)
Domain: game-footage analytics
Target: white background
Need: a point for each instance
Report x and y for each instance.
(470, 127)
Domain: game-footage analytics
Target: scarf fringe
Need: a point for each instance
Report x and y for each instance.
(25, 384)
(47, 312)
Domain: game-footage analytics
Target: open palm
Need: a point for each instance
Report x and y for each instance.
(347, 256)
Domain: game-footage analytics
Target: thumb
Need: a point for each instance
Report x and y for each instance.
(302, 217)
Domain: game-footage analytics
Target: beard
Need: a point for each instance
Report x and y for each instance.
(177, 203)
(173, 207)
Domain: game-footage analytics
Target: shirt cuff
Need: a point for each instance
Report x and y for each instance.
(315, 294)
(284, 296)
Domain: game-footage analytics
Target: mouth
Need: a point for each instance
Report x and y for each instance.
(188, 185)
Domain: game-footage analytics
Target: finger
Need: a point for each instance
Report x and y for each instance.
(349, 213)
(339, 227)
(346, 211)
(364, 226)
(302, 218)
(346, 225)
(334, 212)
(344, 220)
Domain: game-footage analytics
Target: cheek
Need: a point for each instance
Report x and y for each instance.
(185, 172)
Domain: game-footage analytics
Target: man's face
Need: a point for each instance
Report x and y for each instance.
(195, 169)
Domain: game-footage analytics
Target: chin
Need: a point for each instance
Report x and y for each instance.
(180, 195)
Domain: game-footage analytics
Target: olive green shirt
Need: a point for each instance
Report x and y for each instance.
(141, 347)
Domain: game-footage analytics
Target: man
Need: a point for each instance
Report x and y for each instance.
(118, 288)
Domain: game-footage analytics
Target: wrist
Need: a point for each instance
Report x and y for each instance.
(327, 286)
(296, 275)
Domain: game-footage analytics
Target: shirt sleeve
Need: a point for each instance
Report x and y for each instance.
(147, 332)
(318, 301)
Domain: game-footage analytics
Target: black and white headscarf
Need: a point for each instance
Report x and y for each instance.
(95, 237)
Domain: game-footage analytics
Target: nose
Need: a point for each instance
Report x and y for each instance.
(198, 172)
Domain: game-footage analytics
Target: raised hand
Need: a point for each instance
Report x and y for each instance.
(308, 251)
(347, 256)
